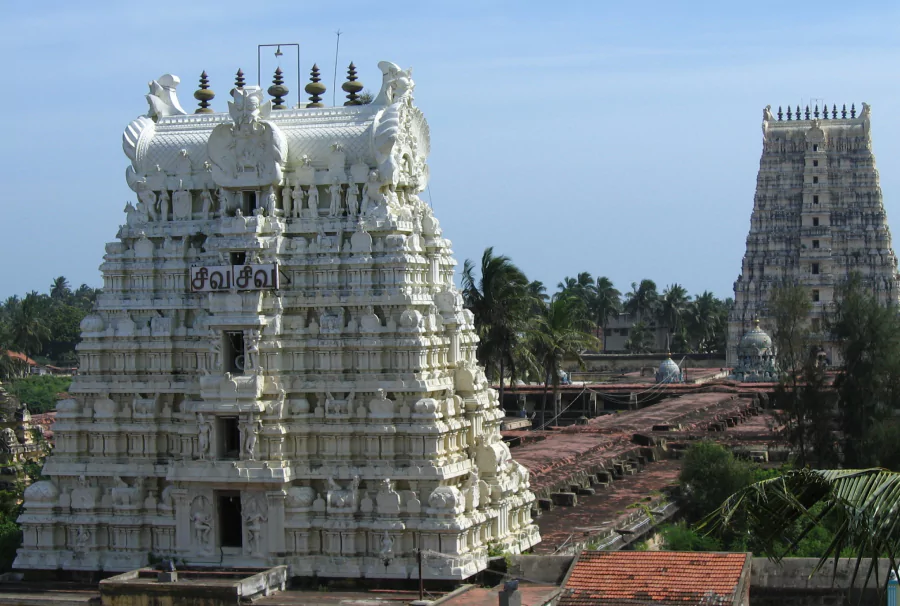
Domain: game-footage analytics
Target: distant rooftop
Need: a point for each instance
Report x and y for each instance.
(606, 578)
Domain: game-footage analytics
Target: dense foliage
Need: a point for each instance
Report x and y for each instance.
(526, 334)
(39, 392)
(709, 476)
(44, 327)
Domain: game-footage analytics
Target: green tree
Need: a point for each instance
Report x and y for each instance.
(801, 389)
(673, 306)
(607, 300)
(500, 302)
(558, 337)
(60, 290)
(857, 507)
(39, 392)
(709, 475)
(640, 338)
(27, 329)
(682, 537)
(868, 387)
(643, 300)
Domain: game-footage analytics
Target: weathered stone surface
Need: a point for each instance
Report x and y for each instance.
(279, 369)
(817, 216)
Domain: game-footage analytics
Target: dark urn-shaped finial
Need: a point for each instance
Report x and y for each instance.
(798, 112)
(844, 111)
(780, 114)
(834, 112)
(204, 95)
(239, 79)
(807, 112)
(853, 110)
(816, 111)
(278, 90)
(315, 89)
(352, 86)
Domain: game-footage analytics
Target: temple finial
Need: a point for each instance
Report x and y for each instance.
(807, 112)
(278, 90)
(844, 111)
(834, 112)
(239, 79)
(315, 89)
(204, 95)
(853, 110)
(780, 114)
(352, 86)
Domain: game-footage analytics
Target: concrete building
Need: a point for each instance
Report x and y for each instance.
(279, 370)
(618, 330)
(817, 217)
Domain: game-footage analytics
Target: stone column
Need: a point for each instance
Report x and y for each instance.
(275, 524)
(182, 519)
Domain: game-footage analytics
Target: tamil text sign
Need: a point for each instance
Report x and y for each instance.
(234, 277)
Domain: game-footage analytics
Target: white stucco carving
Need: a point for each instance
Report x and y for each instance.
(323, 418)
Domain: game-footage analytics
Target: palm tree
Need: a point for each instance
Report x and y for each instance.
(581, 287)
(538, 294)
(558, 337)
(643, 299)
(673, 306)
(607, 300)
(702, 318)
(500, 302)
(59, 290)
(861, 505)
(640, 338)
(27, 331)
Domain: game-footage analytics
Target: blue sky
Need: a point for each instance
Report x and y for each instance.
(621, 139)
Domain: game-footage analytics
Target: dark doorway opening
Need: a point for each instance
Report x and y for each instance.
(230, 445)
(230, 520)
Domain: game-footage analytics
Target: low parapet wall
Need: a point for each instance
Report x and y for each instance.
(791, 581)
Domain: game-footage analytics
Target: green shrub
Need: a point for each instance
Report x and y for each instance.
(39, 393)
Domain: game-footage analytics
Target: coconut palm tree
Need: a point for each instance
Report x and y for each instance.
(60, 290)
(640, 338)
(643, 299)
(558, 337)
(606, 301)
(862, 507)
(701, 320)
(673, 307)
(27, 331)
(500, 302)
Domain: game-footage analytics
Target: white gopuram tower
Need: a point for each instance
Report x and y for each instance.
(817, 217)
(279, 369)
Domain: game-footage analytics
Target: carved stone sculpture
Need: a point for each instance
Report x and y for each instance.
(312, 201)
(204, 428)
(351, 317)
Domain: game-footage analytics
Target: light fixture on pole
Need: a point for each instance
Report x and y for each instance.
(278, 55)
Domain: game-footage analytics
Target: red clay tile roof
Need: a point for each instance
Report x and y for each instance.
(653, 577)
(15, 355)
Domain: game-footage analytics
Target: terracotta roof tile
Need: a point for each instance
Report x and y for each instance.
(657, 577)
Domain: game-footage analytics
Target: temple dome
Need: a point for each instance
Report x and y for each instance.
(668, 372)
(756, 357)
(755, 340)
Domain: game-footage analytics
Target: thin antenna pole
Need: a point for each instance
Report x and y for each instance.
(337, 47)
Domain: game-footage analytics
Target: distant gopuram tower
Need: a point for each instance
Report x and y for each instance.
(817, 217)
(280, 369)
